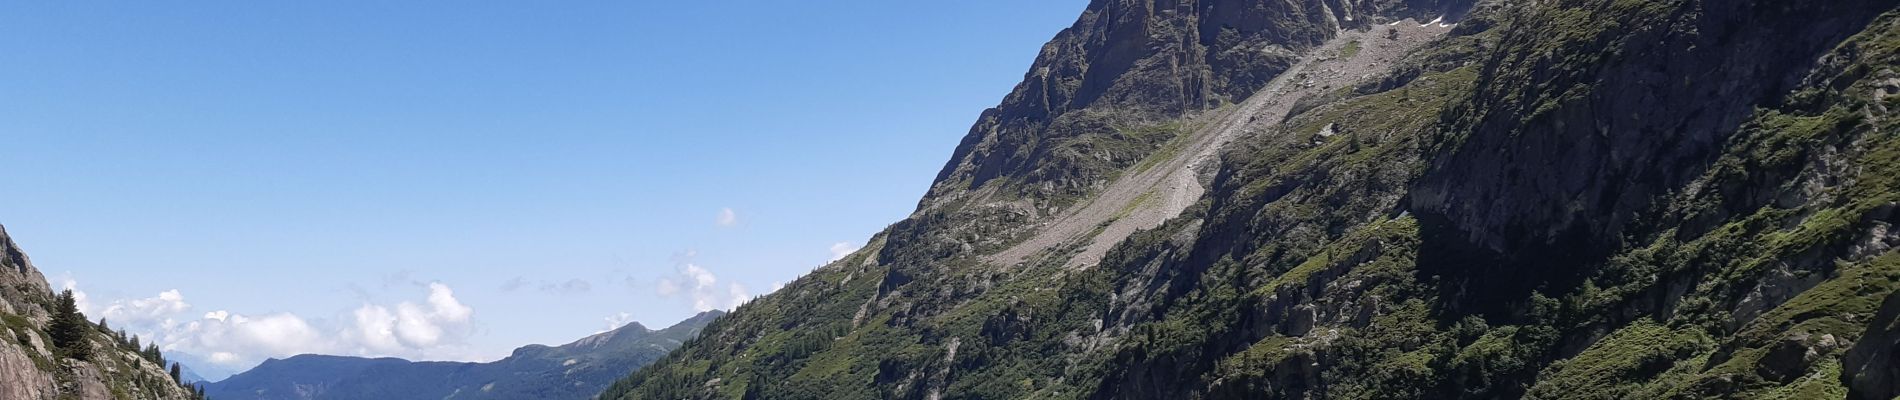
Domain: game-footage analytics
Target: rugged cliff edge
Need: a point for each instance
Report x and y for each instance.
(1594, 199)
(31, 368)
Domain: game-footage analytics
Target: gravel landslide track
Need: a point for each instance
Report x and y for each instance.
(1143, 199)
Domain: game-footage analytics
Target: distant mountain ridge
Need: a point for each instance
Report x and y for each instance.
(201, 369)
(576, 370)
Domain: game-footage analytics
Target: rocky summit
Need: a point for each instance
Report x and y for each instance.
(1372, 199)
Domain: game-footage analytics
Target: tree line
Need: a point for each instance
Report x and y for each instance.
(72, 338)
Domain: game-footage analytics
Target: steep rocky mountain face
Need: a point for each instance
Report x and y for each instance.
(32, 368)
(577, 370)
(1595, 199)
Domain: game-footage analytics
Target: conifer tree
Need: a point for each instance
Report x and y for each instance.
(151, 354)
(69, 328)
(175, 377)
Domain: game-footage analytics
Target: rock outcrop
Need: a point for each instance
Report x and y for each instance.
(31, 368)
(25, 288)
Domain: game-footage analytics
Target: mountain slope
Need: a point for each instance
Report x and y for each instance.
(576, 370)
(33, 368)
(1560, 199)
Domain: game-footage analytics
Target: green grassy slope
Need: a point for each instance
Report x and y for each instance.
(1568, 199)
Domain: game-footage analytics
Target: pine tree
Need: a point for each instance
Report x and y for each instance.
(175, 377)
(69, 328)
(151, 354)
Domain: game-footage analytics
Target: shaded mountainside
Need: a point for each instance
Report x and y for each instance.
(34, 367)
(575, 370)
(1593, 199)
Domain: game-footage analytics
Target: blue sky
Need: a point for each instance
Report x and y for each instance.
(450, 180)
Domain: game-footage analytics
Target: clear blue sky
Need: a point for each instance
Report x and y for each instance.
(314, 166)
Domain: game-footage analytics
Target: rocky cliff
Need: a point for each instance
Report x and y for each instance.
(31, 368)
(1596, 199)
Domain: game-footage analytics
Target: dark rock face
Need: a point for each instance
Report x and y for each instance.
(1869, 369)
(1550, 146)
(21, 285)
(1145, 60)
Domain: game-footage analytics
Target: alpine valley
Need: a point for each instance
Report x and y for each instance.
(1298, 199)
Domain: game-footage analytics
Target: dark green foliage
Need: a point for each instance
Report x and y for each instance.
(151, 353)
(70, 329)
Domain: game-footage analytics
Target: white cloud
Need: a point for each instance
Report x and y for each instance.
(415, 326)
(616, 321)
(700, 276)
(842, 249)
(435, 328)
(514, 284)
(727, 217)
(375, 329)
(704, 292)
(150, 310)
(79, 296)
(223, 358)
(135, 314)
(238, 340)
(572, 286)
(736, 295)
(776, 285)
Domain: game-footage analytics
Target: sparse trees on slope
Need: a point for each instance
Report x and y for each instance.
(151, 353)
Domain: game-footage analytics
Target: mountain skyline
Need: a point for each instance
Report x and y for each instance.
(194, 373)
(360, 153)
(573, 371)
(1207, 199)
